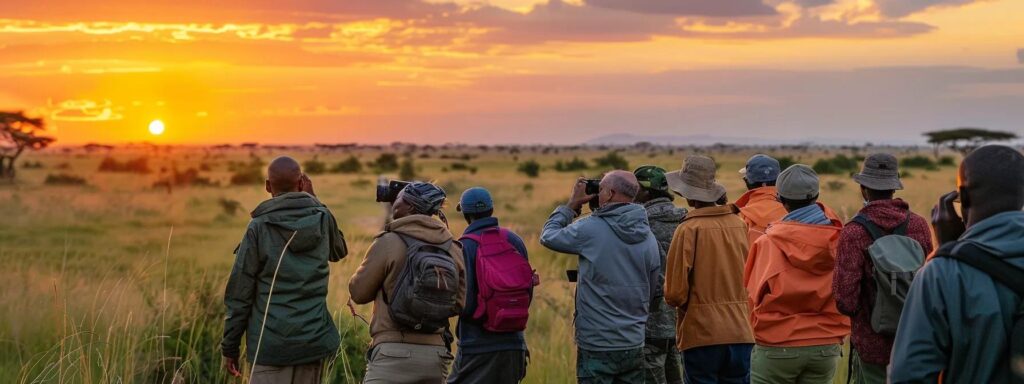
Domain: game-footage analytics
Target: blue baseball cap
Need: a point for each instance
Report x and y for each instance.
(475, 200)
(761, 169)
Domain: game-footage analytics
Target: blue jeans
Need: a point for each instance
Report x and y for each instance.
(728, 364)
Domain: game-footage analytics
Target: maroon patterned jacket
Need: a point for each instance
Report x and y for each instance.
(854, 283)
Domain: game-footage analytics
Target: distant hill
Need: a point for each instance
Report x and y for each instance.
(704, 140)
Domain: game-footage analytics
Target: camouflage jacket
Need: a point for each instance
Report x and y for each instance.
(664, 217)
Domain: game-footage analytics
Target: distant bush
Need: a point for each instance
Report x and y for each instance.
(463, 167)
(359, 183)
(530, 168)
(190, 177)
(947, 161)
(247, 176)
(349, 165)
(139, 165)
(407, 171)
(314, 166)
(64, 179)
(840, 164)
(786, 162)
(921, 162)
(31, 165)
(613, 160)
(528, 187)
(386, 162)
(576, 164)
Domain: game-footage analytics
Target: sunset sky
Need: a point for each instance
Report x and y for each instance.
(521, 71)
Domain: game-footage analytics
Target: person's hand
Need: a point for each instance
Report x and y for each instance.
(306, 185)
(579, 195)
(231, 365)
(948, 225)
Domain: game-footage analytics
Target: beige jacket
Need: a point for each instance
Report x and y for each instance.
(704, 279)
(381, 267)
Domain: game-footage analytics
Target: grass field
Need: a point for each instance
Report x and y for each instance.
(120, 281)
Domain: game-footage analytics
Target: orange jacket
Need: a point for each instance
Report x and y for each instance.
(758, 208)
(788, 275)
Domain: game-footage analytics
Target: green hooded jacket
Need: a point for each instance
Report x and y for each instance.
(299, 328)
(664, 217)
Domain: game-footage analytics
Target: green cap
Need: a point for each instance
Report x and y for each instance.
(651, 177)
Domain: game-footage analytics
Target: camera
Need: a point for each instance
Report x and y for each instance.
(593, 186)
(388, 192)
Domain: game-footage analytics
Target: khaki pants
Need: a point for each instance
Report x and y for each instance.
(401, 363)
(291, 374)
(799, 365)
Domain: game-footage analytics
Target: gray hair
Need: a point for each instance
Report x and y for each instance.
(622, 182)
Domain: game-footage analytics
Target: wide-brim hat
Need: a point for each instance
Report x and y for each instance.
(696, 180)
(880, 172)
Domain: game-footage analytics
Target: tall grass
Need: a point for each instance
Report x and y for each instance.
(92, 290)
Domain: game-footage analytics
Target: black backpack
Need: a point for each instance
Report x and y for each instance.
(1002, 272)
(426, 292)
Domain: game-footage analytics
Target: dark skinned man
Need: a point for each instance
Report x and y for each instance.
(289, 342)
(957, 320)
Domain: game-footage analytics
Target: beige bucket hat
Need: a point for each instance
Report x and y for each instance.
(696, 180)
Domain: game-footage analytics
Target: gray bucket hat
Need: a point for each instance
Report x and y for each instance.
(696, 181)
(880, 172)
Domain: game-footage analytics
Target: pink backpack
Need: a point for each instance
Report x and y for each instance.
(504, 279)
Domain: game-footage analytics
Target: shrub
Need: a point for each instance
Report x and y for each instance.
(613, 160)
(530, 168)
(314, 166)
(359, 183)
(138, 165)
(947, 161)
(349, 165)
(247, 176)
(576, 164)
(386, 162)
(463, 167)
(407, 171)
(786, 162)
(64, 179)
(839, 164)
(835, 185)
(190, 177)
(31, 165)
(922, 162)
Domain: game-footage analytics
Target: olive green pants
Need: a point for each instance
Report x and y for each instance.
(400, 363)
(864, 373)
(800, 365)
(290, 374)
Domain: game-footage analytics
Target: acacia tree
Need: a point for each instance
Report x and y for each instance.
(18, 133)
(966, 139)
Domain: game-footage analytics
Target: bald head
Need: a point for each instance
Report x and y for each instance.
(624, 185)
(283, 175)
(991, 181)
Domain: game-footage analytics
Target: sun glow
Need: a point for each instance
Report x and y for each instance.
(156, 127)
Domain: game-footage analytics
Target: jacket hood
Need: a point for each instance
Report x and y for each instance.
(809, 247)
(422, 227)
(760, 206)
(887, 214)
(628, 221)
(298, 213)
(662, 209)
(1001, 233)
(720, 210)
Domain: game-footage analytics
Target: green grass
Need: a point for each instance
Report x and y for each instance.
(83, 278)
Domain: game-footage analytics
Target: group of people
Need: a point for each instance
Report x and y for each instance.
(766, 289)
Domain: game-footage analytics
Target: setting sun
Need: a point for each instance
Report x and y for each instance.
(156, 127)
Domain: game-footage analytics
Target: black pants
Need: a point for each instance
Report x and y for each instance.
(502, 367)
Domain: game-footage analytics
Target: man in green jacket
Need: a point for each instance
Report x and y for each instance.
(288, 340)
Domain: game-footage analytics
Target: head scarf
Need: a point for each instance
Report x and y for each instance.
(425, 199)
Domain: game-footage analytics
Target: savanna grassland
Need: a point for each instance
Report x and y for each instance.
(120, 279)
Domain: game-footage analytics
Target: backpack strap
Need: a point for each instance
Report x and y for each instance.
(874, 230)
(902, 229)
(1000, 270)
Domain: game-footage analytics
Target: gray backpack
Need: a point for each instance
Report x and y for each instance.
(426, 292)
(896, 259)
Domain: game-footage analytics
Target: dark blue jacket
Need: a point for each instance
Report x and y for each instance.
(473, 338)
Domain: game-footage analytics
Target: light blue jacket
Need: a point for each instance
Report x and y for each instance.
(619, 265)
(957, 319)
